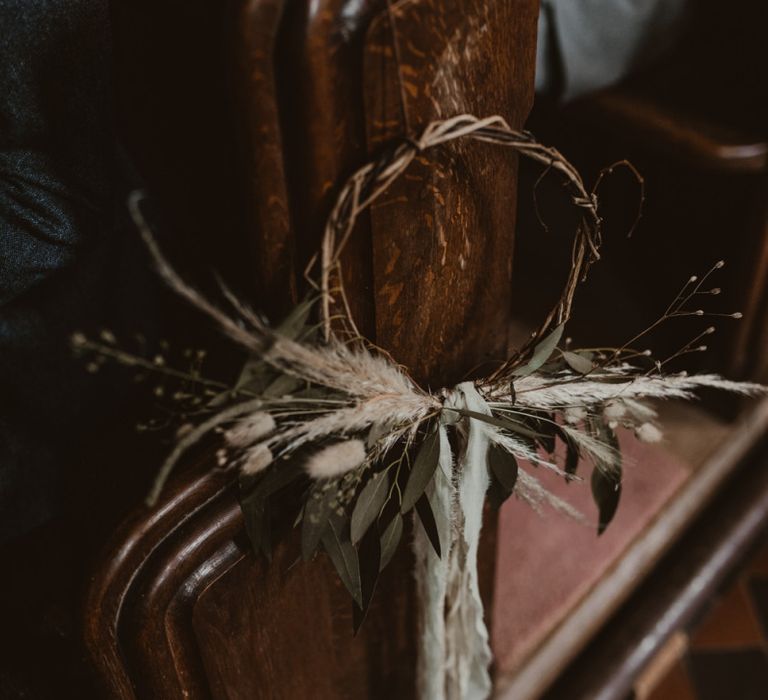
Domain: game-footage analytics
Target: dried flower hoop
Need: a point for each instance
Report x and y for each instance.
(320, 364)
(318, 406)
(370, 181)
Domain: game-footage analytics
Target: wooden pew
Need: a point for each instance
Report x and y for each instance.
(177, 605)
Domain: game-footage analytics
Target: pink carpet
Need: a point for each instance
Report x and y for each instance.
(546, 563)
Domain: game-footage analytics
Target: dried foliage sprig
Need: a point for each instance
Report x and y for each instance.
(320, 409)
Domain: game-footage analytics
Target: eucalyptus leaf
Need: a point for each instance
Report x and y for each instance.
(390, 539)
(503, 466)
(378, 430)
(496, 493)
(606, 478)
(578, 363)
(265, 545)
(606, 492)
(423, 469)
(541, 352)
(544, 424)
(510, 424)
(254, 495)
(294, 325)
(572, 457)
(427, 518)
(255, 517)
(369, 504)
(257, 375)
(319, 506)
(343, 555)
(278, 476)
(369, 556)
(282, 385)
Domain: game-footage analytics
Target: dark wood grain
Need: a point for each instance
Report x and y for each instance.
(270, 216)
(443, 234)
(179, 607)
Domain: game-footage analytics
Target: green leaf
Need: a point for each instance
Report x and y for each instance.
(503, 466)
(282, 385)
(544, 424)
(496, 493)
(423, 469)
(427, 517)
(258, 376)
(606, 478)
(369, 556)
(578, 363)
(254, 495)
(541, 352)
(278, 476)
(294, 325)
(510, 424)
(343, 555)
(369, 504)
(606, 491)
(572, 457)
(256, 518)
(319, 506)
(390, 539)
(255, 376)
(266, 536)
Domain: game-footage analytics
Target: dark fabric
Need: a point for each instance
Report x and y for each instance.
(65, 263)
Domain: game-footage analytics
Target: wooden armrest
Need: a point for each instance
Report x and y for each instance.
(666, 128)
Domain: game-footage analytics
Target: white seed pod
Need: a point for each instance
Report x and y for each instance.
(575, 415)
(648, 432)
(336, 459)
(256, 460)
(250, 429)
(614, 410)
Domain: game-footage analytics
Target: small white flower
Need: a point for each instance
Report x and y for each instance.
(257, 459)
(614, 411)
(575, 415)
(221, 457)
(78, 339)
(250, 429)
(336, 459)
(648, 432)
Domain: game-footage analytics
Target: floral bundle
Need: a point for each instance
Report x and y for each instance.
(320, 410)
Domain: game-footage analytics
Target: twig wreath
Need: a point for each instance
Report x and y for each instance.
(319, 407)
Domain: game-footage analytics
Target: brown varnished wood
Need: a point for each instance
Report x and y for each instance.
(125, 556)
(180, 607)
(323, 116)
(667, 129)
(443, 234)
(320, 74)
(272, 241)
(159, 642)
(303, 648)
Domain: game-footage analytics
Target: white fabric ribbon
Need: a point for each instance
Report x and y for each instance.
(454, 653)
